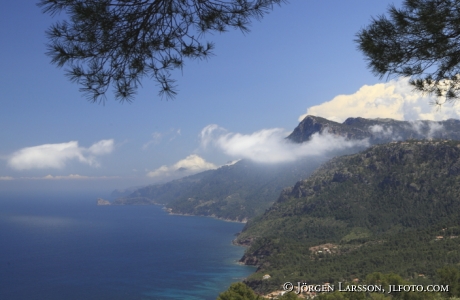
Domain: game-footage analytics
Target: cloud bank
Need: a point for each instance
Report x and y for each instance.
(73, 177)
(56, 156)
(190, 165)
(61, 177)
(43, 222)
(427, 130)
(271, 146)
(384, 132)
(395, 99)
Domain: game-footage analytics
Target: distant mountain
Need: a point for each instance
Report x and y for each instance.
(392, 208)
(234, 192)
(378, 131)
(245, 189)
(118, 193)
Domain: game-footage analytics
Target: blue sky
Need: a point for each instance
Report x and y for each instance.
(257, 86)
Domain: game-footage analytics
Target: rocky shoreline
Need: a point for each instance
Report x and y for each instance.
(103, 202)
(169, 210)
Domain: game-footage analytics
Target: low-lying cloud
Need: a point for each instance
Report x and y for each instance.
(426, 129)
(42, 221)
(271, 146)
(60, 177)
(75, 177)
(56, 156)
(190, 165)
(385, 132)
(395, 99)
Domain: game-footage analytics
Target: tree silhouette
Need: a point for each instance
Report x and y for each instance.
(421, 40)
(118, 42)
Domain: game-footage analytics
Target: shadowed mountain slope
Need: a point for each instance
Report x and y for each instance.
(236, 192)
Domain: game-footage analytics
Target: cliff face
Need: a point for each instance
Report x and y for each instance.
(378, 131)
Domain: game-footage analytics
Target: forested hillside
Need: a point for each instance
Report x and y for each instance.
(392, 208)
(235, 192)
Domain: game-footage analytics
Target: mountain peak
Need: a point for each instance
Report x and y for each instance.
(309, 126)
(313, 124)
(379, 130)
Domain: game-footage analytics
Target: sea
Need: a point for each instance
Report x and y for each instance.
(62, 246)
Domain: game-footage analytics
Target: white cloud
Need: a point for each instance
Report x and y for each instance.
(102, 147)
(210, 133)
(75, 177)
(61, 177)
(190, 165)
(41, 221)
(433, 127)
(384, 132)
(270, 145)
(71, 176)
(157, 137)
(57, 155)
(395, 99)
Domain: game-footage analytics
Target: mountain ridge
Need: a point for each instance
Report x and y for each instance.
(226, 192)
(377, 130)
(223, 193)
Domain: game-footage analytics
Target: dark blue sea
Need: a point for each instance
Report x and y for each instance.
(65, 247)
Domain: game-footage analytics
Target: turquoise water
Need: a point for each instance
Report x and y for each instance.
(65, 247)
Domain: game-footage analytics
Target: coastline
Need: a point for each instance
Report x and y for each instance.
(146, 201)
(169, 210)
(103, 202)
(167, 243)
(238, 262)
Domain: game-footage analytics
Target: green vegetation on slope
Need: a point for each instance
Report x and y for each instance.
(391, 208)
(235, 192)
(374, 286)
(239, 291)
(243, 190)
